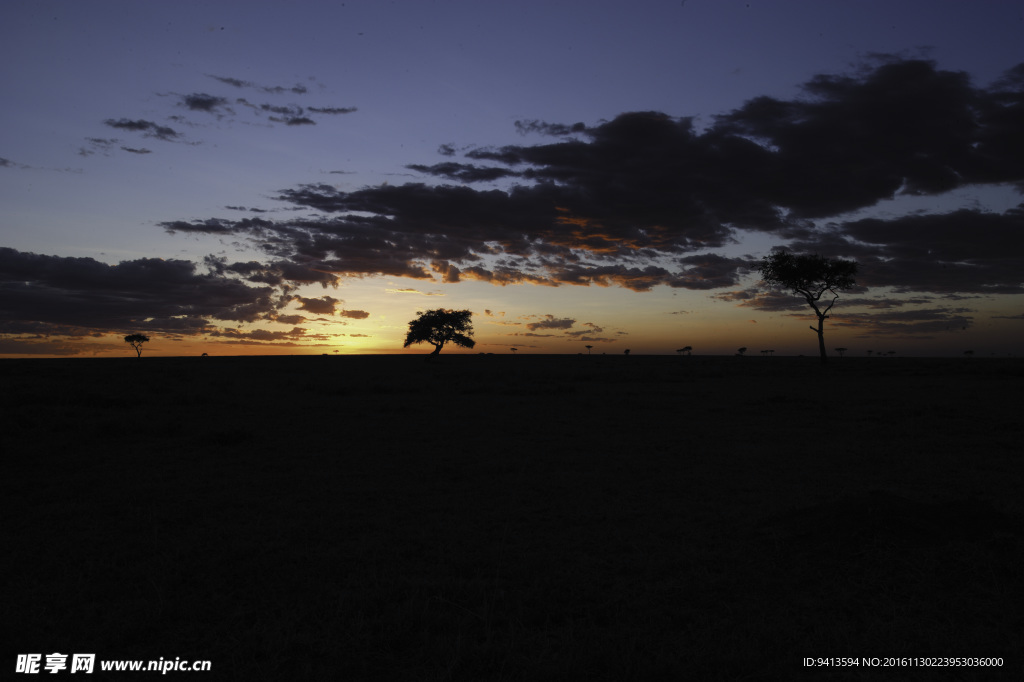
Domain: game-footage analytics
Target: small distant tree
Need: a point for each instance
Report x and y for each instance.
(514, 351)
(438, 327)
(136, 341)
(741, 351)
(688, 350)
(588, 349)
(969, 353)
(870, 352)
(810, 276)
(841, 351)
(767, 353)
(626, 351)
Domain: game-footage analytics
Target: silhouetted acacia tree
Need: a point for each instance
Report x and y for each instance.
(136, 341)
(741, 351)
(810, 276)
(438, 327)
(841, 351)
(588, 349)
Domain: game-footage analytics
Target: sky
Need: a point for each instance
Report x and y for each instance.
(306, 177)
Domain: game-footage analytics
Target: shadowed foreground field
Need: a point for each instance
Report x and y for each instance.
(515, 518)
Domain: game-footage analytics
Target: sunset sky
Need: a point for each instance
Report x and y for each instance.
(303, 177)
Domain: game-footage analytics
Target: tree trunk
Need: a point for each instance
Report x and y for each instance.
(437, 348)
(821, 339)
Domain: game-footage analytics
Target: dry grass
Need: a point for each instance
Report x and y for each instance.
(515, 517)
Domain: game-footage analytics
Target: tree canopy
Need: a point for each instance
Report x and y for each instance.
(438, 327)
(136, 341)
(810, 276)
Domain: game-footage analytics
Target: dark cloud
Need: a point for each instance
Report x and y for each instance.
(298, 89)
(7, 163)
(885, 317)
(233, 81)
(294, 120)
(221, 107)
(134, 150)
(98, 145)
(324, 305)
(203, 102)
(554, 129)
(354, 314)
(582, 209)
(148, 128)
(333, 110)
(413, 291)
(591, 328)
(464, 172)
(149, 294)
(289, 114)
(922, 323)
(36, 346)
(261, 335)
(767, 301)
(885, 303)
(292, 114)
(283, 273)
(966, 251)
(550, 322)
(645, 199)
(289, 319)
(288, 110)
(209, 226)
(905, 127)
(711, 271)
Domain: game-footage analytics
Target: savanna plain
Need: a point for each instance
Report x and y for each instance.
(501, 517)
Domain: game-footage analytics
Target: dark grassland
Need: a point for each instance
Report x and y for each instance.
(515, 517)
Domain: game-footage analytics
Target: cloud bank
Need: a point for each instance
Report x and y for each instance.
(646, 199)
(45, 296)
